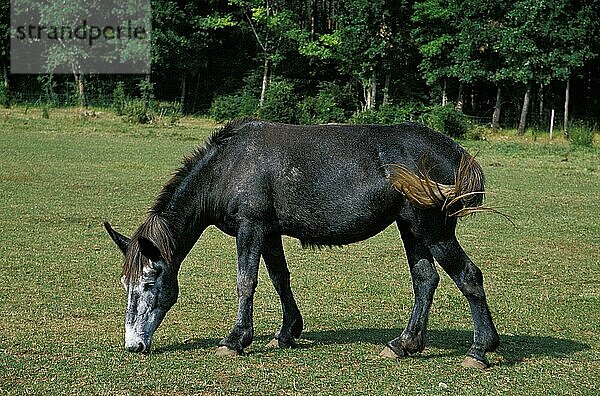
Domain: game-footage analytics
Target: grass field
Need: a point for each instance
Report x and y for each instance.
(62, 306)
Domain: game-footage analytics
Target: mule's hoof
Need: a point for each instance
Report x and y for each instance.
(273, 344)
(276, 343)
(388, 353)
(224, 351)
(471, 362)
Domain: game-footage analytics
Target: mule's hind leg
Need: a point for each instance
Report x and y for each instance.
(425, 280)
(469, 280)
(291, 327)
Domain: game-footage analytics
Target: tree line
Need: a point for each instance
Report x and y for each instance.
(505, 62)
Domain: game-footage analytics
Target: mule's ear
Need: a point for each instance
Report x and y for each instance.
(149, 249)
(121, 240)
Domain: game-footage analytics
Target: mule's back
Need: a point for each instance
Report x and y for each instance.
(329, 184)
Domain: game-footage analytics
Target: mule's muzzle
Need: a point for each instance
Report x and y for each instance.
(139, 347)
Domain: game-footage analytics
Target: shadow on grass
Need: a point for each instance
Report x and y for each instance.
(513, 348)
(188, 345)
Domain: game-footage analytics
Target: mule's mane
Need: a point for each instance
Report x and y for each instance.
(159, 224)
(189, 162)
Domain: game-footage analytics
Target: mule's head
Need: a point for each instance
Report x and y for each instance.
(151, 286)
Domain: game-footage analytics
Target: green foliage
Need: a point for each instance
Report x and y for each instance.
(119, 99)
(229, 107)
(45, 111)
(168, 113)
(146, 91)
(48, 85)
(4, 96)
(448, 121)
(137, 111)
(141, 110)
(320, 109)
(391, 114)
(281, 102)
(475, 132)
(581, 134)
(329, 105)
(147, 110)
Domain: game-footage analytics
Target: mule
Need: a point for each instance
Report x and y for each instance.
(326, 185)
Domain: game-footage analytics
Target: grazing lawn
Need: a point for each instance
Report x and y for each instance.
(62, 306)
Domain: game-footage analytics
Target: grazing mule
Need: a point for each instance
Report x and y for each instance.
(326, 185)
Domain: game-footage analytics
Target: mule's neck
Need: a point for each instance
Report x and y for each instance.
(191, 207)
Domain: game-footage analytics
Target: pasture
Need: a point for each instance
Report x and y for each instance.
(62, 305)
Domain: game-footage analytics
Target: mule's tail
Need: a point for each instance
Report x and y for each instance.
(462, 198)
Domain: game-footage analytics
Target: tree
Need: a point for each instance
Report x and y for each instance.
(572, 37)
(545, 41)
(368, 35)
(269, 22)
(475, 58)
(435, 31)
(179, 30)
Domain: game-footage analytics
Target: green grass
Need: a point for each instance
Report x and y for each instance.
(62, 306)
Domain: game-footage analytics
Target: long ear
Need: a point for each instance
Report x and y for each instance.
(149, 249)
(121, 240)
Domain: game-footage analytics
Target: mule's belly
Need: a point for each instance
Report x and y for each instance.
(338, 219)
(336, 234)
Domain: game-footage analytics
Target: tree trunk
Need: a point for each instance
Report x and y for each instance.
(386, 90)
(444, 97)
(5, 100)
(541, 102)
(497, 108)
(196, 90)
(373, 90)
(182, 97)
(313, 18)
(80, 89)
(523, 120)
(460, 101)
(5, 75)
(263, 91)
(370, 91)
(566, 120)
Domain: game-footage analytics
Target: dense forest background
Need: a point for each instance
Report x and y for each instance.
(503, 63)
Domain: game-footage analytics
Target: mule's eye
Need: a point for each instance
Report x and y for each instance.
(148, 285)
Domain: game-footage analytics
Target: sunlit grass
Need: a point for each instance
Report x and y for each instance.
(62, 307)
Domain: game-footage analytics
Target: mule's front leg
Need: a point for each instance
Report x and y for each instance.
(249, 244)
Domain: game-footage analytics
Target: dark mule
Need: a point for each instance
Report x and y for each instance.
(324, 185)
